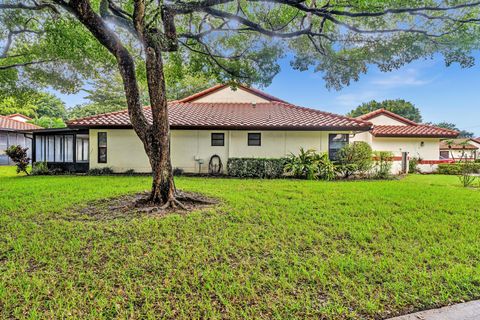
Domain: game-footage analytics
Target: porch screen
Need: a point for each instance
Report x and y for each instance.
(54, 148)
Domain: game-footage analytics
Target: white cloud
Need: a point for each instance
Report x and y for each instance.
(409, 77)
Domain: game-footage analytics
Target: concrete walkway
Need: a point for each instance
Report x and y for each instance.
(462, 311)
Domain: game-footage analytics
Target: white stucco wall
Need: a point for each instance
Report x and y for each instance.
(383, 120)
(428, 150)
(125, 151)
(20, 118)
(228, 95)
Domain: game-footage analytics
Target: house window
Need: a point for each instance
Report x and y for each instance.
(218, 139)
(335, 143)
(82, 148)
(444, 155)
(102, 147)
(255, 139)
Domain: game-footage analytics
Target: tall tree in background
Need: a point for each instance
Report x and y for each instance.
(240, 40)
(47, 110)
(401, 107)
(453, 126)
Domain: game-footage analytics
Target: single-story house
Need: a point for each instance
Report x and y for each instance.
(405, 138)
(456, 149)
(14, 130)
(222, 122)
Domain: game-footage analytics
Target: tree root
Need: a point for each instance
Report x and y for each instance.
(148, 205)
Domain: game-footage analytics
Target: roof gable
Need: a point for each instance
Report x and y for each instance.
(9, 124)
(19, 117)
(385, 117)
(225, 93)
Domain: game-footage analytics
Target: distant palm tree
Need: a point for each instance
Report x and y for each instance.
(450, 143)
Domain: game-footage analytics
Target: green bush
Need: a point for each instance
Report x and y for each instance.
(457, 168)
(310, 165)
(100, 171)
(19, 157)
(354, 158)
(383, 164)
(255, 167)
(40, 169)
(413, 165)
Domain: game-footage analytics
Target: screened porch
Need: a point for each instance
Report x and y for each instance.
(64, 149)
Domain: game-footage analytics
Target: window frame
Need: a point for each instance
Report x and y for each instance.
(333, 152)
(101, 147)
(222, 140)
(249, 139)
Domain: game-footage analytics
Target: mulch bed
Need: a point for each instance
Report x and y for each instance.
(132, 206)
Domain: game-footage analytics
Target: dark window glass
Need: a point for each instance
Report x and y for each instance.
(335, 143)
(102, 147)
(254, 139)
(218, 139)
(444, 154)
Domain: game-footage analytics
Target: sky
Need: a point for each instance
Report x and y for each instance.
(441, 93)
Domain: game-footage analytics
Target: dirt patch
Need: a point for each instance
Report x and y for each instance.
(132, 206)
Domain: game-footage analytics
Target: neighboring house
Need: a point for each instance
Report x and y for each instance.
(227, 123)
(14, 130)
(459, 149)
(405, 138)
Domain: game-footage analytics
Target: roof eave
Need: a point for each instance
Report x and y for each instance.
(412, 136)
(264, 128)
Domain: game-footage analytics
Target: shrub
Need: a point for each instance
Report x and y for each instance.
(458, 168)
(383, 164)
(178, 172)
(100, 171)
(354, 158)
(255, 167)
(40, 169)
(466, 176)
(310, 165)
(129, 172)
(413, 165)
(19, 157)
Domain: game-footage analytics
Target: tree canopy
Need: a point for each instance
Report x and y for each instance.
(453, 126)
(65, 42)
(31, 103)
(399, 106)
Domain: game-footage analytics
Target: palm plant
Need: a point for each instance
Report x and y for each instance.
(310, 165)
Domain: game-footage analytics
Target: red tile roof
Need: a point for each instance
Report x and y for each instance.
(418, 130)
(8, 124)
(387, 113)
(477, 140)
(410, 129)
(218, 87)
(458, 144)
(272, 115)
(19, 115)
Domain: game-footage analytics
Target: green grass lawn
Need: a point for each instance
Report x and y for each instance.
(272, 249)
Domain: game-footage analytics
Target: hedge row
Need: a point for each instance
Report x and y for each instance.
(457, 168)
(256, 167)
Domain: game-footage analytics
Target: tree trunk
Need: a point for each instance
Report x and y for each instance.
(155, 137)
(163, 186)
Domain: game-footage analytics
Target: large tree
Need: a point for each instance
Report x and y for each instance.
(399, 106)
(453, 126)
(32, 103)
(239, 40)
